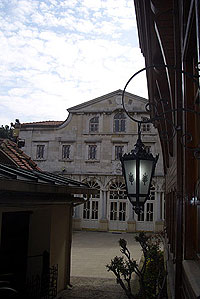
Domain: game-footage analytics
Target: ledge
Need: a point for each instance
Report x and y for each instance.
(92, 161)
(66, 160)
(39, 160)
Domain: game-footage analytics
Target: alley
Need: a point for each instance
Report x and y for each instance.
(91, 251)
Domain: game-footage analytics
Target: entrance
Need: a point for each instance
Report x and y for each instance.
(117, 207)
(118, 215)
(14, 247)
(90, 212)
(145, 220)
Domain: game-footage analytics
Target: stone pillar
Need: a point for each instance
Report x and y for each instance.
(159, 206)
(159, 224)
(104, 204)
(103, 222)
(77, 212)
(77, 218)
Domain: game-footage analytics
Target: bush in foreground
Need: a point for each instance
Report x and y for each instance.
(151, 274)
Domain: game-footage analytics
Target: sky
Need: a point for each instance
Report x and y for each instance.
(56, 54)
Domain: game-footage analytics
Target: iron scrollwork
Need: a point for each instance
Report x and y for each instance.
(152, 107)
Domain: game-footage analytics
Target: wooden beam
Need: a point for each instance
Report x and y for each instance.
(30, 187)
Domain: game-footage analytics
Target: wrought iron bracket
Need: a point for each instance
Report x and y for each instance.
(186, 138)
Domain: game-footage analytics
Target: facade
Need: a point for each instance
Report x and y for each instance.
(169, 34)
(34, 206)
(87, 147)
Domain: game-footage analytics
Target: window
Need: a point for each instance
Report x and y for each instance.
(119, 149)
(94, 124)
(94, 215)
(118, 191)
(91, 206)
(66, 151)
(86, 210)
(92, 152)
(119, 122)
(40, 151)
(149, 211)
(146, 127)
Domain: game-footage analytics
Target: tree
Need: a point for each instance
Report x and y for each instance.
(9, 132)
(151, 275)
(6, 132)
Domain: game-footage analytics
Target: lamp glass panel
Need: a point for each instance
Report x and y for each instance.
(130, 173)
(142, 199)
(145, 175)
(132, 199)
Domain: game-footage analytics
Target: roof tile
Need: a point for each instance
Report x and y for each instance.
(16, 155)
(49, 123)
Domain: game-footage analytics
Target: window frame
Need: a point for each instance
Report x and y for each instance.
(94, 125)
(68, 152)
(117, 153)
(92, 154)
(40, 151)
(119, 122)
(145, 127)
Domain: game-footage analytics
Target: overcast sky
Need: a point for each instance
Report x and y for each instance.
(59, 53)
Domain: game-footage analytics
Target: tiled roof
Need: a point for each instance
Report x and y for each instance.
(37, 175)
(49, 123)
(15, 179)
(12, 155)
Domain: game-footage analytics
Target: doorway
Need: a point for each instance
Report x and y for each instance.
(145, 221)
(14, 247)
(117, 208)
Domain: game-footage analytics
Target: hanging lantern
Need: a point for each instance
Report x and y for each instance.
(138, 168)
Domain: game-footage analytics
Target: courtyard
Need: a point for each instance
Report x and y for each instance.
(91, 251)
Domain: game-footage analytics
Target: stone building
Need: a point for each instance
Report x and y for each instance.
(86, 147)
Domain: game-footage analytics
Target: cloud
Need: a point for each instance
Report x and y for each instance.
(60, 53)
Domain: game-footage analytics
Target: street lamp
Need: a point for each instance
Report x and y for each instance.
(138, 168)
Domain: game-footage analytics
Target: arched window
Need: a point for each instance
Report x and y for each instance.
(91, 206)
(118, 190)
(94, 124)
(119, 122)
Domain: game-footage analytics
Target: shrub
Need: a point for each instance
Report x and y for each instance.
(151, 274)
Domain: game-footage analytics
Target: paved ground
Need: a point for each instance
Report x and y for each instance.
(91, 251)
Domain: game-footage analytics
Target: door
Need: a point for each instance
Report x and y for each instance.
(145, 220)
(91, 209)
(118, 215)
(14, 247)
(117, 206)
(90, 214)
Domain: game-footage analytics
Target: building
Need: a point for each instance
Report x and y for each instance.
(169, 35)
(34, 206)
(86, 147)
